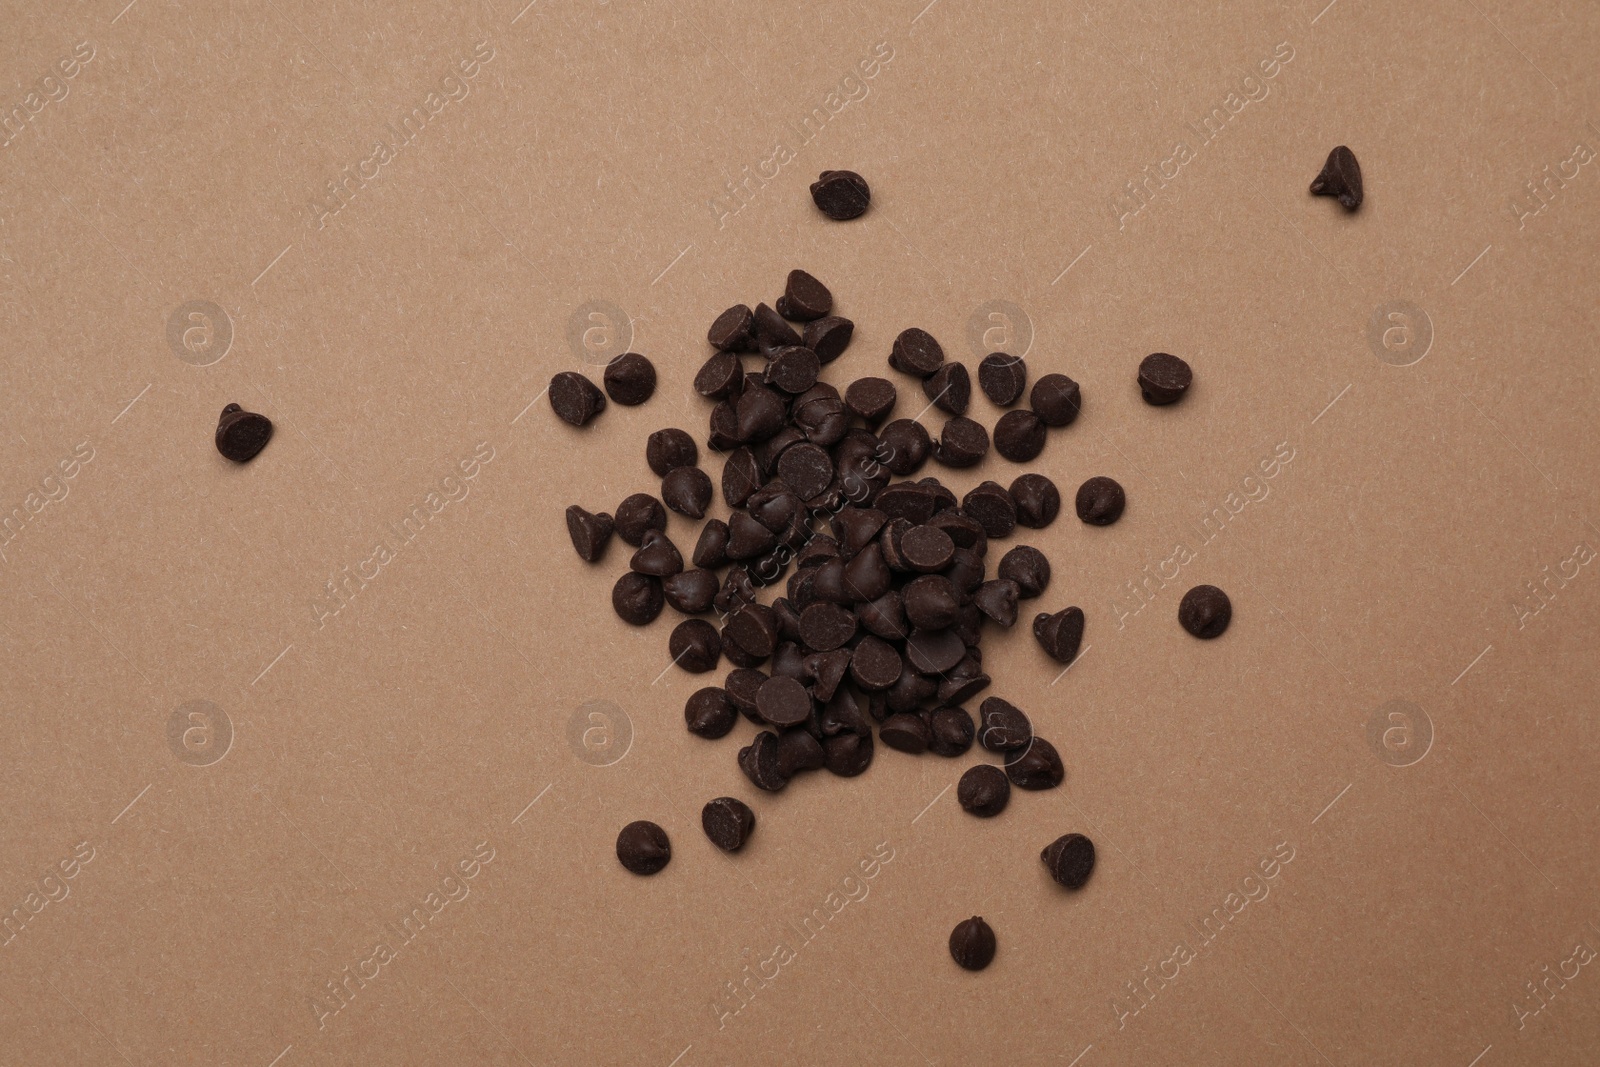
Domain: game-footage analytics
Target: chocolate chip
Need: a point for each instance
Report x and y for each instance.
(630, 379)
(709, 713)
(754, 628)
(906, 732)
(574, 398)
(1060, 634)
(841, 194)
(637, 515)
(1028, 567)
(991, 506)
(959, 685)
(241, 434)
(643, 848)
(1002, 377)
(1070, 859)
(691, 591)
(884, 617)
(828, 337)
(875, 664)
(741, 477)
(759, 761)
(667, 450)
(998, 600)
(742, 685)
(983, 791)
(1205, 611)
(657, 556)
(972, 944)
(950, 732)
(747, 538)
(733, 331)
(793, 369)
(1002, 727)
(827, 670)
(1056, 399)
(871, 398)
(962, 443)
(799, 751)
(687, 490)
(728, 822)
(761, 414)
(825, 627)
(949, 388)
(931, 602)
(1164, 378)
(866, 576)
(1340, 177)
(724, 435)
(804, 298)
(934, 652)
(927, 549)
(1038, 501)
(1019, 436)
(637, 598)
(856, 527)
(737, 589)
(1100, 501)
(848, 754)
(916, 352)
(772, 333)
(720, 377)
(711, 551)
(906, 447)
(590, 533)
(695, 646)
(807, 469)
(1037, 767)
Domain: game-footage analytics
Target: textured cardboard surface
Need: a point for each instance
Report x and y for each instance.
(323, 758)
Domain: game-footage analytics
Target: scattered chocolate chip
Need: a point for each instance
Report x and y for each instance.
(1060, 634)
(637, 598)
(637, 515)
(733, 331)
(1019, 436)
(906, 732)
(1038, 501)
(709, 713)
(916, 352)
(931, 602)
(1056, 399)
(848, 754)
(657, 556)
(783, 702)
(906, 447)
(934, 652)
(794, 369)
(841, 194)
(1002, 726)
(874, 664)
(998, 600)
(927, 549)
(691, 591)
(1100, 501)
(1036, 767)
(241, 434)
(643, 848)
(972, 944)
(728, 822)
(825, 627)
(1164, 378)
(711, 551)
(1028, 567)
(1002, 377)
(759, 761)
(992, 507)
(828, 337)
(687, 490)
(983, 791)
(630, 379)
(1070, 860)
(772, 332)
(804, 298)
(1340, 177)
(761, 413)
(807, 469)
(1205, 611)
(799, 751)
(950, 731)
(590, 533)
(962, 443)
(949, 388)
(574, 398)
(754, 628)
(721, 376)
(695, 646)
(741, 477)
(871, 399)
(666, 450)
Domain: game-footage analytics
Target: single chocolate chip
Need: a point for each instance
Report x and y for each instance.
(998, 600)
(721, 377)
(638, 515)
(1100, 501)
(806, 468)
(1019, 436)
(574, 398)
(959, 685)
(856, 527)
(950, 731)
(741, 477)
(695, 646)
(728, 822)
(590, 533)
(241, 434)
(848, 754)
(962, 443)
(841, 194)
(934, 652)
(799, 750)
(747, 538)
(884, 617)
(1028, 567)
(874, 664)
(687, 490)
(1340, 177)
(630, 379)
(711, 551)
(1056, 399)
(949, 388)
(637, 598)
(754, 628)
(643, 848)
(972, 944)
(804, 298)
(1164, 378)
(783, 702)
(709, 713)
(737, 589)
(905, 447)
(825, 627)
(983, 791)
(931, 602)
(966, 570)
(1205, 611)
(927, 549)
(742, 685)
(1060, 634)
(906, 732)
(1070, 859)
(963, 530)
(991, 506)
(1036, 767)
(866, 576)
(657, 556)
(828, 337)
(842, 714)
(733, 331)
(772, 333)
(870, 398)
(1002, 377)
(1002, 726)
(916, 352)
(1038, 501)
(667, 450)
(724, 426)
(759, 761)
(827, 670)
(761, 413)
(691, 591)
(794, 369)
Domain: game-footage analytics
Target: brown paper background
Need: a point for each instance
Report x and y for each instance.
(430, 716)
